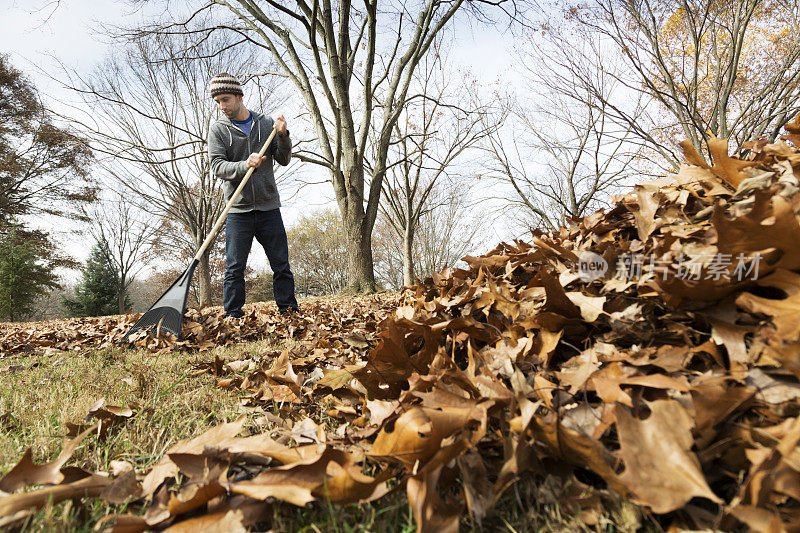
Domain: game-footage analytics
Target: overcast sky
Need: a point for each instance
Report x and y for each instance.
(41, 33)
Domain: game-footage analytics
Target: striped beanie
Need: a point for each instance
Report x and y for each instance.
(225, 83)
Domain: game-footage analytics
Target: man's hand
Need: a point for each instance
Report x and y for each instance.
(280, 126)
(280, 129)
(254, 160)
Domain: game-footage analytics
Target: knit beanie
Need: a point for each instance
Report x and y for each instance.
(225, 84)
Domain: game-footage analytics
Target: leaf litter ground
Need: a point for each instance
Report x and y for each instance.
(676, 392)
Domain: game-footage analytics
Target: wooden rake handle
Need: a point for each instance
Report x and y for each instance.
(235, 196)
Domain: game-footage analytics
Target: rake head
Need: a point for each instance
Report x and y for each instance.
(167, 313)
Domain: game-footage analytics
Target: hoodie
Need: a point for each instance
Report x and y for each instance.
(228, 150)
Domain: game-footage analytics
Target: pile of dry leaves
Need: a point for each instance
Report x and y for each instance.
(653, 349)
(203, 329)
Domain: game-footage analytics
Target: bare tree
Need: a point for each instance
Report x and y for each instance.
(449, 232)
(122, 227)
(433, 133)
(327, 51)
(722, 69)
(149, 115)
(445, 233)
(561, 153)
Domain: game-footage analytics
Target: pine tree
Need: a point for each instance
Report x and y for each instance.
(24, 274)
(96, 295)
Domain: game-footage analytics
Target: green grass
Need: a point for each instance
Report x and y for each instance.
(50, 391)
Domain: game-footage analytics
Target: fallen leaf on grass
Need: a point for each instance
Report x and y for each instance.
(660, 469)
(418, 434)
(107, 415)
(92, 485)
(25, 472)
(123, 488)
(431, 514)
(166, 467)
(8, 422)
(221, 522)
(335, 379)
(380, 410)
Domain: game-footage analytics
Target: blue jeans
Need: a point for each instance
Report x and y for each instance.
(267, 227)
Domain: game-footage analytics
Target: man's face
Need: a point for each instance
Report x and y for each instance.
(230, 104)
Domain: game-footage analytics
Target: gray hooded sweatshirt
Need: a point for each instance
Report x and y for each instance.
(228, 150)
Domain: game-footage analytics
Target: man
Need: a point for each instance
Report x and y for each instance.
(233, 145)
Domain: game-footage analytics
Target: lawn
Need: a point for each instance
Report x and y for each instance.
(42, 393)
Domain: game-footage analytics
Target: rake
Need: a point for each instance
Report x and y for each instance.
(167, 313)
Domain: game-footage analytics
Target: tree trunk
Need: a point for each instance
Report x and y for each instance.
(121, 296)
(204, 279)
(408, 258)
(360, 278)
(357, 225)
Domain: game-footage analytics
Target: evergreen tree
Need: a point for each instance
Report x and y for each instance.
(24, 273)
(96, 295)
